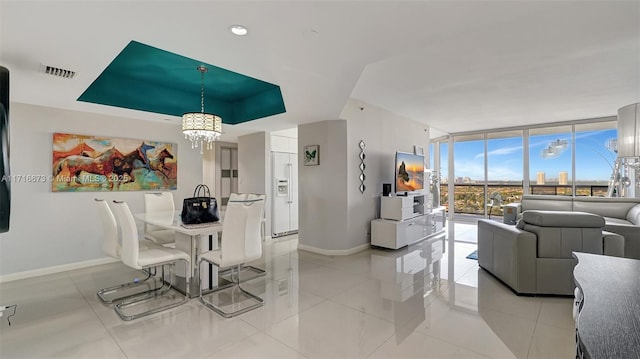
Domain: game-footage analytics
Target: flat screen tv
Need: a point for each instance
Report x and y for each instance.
(409, 172)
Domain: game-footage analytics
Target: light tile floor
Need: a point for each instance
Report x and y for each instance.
(373, 304)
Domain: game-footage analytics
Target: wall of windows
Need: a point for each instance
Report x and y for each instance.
(504, 169)
(495, 168)
(468, 154)
(550, 154)
(595, 158)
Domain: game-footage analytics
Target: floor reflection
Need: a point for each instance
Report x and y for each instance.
(425, 300)
(406, 277)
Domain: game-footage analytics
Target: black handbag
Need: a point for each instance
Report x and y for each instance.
(201, 208)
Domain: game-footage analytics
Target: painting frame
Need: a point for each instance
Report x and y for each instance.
(92, 163)
(312, 155)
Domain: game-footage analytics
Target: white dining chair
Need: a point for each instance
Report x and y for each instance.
(111, 247)
(140, 258)
(161, 204)
(241, 243)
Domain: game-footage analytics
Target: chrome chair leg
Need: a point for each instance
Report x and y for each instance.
(148, 297)
(258, 302)
(259, 272)
(103, 294)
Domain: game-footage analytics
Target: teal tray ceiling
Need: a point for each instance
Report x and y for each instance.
(146, 78)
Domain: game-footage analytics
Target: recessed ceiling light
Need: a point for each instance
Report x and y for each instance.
(238, 30)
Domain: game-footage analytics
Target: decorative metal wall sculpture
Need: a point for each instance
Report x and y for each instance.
(362, 166)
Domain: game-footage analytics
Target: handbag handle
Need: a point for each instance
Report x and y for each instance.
(205, 191)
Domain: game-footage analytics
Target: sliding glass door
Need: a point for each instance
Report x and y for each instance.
(504, 170)
(595, 157)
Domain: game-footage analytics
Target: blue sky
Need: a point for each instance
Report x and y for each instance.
(593, 159)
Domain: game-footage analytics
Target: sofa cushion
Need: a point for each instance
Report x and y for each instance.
(613, 244)
(560, 242)
(633, 215)
(631, 234)
(547, 203)
(616, 221)
(563, 219)
(604, 206)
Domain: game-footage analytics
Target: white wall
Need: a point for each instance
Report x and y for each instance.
(334, 216)
(52, 229)
(254, 168)
(322, 189)
(384, 133)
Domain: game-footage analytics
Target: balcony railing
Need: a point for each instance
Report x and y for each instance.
(565, 190)
(470, 198)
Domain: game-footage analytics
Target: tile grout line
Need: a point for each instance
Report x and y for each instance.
(534, 329)
(381, 344)
(97, 316)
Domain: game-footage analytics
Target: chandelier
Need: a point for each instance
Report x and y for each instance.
(555, 149)
(199, 127)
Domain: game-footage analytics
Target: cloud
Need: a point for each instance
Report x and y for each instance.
(505, 151)
(475, 171)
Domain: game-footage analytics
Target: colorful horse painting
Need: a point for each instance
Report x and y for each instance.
(124, 166)
(119, 164)
(80, 150)
(158, 163)
(74, 165)
(143, 150)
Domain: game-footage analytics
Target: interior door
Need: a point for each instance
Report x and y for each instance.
(228, 173)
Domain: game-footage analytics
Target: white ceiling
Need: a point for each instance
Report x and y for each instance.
(456, 66)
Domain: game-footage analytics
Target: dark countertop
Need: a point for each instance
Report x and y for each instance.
(609, 322)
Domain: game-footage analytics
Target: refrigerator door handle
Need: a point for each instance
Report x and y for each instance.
(289, 182)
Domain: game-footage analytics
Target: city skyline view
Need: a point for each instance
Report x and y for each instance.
(550, 154)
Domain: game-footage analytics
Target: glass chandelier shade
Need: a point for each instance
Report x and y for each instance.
(199, 127)
(555, 148)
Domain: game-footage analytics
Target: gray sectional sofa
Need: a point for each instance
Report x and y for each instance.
(621, 215)
(535, 256)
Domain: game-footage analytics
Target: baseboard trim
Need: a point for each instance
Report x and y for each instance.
(334, 252)
(55, 269)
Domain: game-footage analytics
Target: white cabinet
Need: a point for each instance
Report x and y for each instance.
(401, 208)
(405, 220)
(395, 234)
(284, 144)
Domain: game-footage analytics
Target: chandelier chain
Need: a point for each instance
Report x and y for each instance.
(202, 89)
(199, 127)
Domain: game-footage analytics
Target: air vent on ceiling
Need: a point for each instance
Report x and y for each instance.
(56, 71)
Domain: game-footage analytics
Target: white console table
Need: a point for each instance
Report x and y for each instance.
(406, 220)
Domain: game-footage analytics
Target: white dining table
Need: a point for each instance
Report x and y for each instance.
(192, 239)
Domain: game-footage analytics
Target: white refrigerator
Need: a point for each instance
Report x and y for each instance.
(284, 214)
